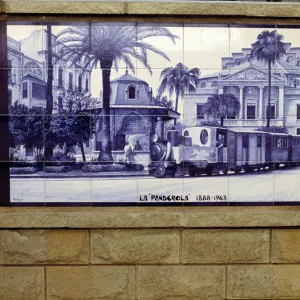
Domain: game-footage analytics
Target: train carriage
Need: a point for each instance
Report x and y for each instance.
(278, 145)
(247, 150)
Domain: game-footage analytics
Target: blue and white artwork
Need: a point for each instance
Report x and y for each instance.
(153, 114)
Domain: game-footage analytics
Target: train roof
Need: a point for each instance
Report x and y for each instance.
(244, 130)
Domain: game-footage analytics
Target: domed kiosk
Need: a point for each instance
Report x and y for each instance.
(134, 118)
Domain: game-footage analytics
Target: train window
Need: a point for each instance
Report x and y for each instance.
(298, 131)
(279, 142)
(259, 138)
(203, 136)
(245, 141)
(186, 133)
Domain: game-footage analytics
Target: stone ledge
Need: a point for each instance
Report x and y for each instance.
(65, 7)
(154, 217)
(184, 8)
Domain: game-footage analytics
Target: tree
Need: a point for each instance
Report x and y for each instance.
(178, 80)
(163, 101)
(108, 45)
(49, 92)
(71, 130)
(221, 106)
(26, 128)
(268, 48)
(74, 102)
(75, 124)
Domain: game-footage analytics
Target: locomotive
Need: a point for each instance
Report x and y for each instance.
(210, 150)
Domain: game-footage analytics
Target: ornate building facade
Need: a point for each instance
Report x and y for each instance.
(248, 81)
(27, 74)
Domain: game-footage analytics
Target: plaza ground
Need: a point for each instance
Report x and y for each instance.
(266, 186)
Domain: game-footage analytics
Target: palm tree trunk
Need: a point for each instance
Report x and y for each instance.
(49, 95)
(82, 150)
(269, 95)
(105, 155)
(176, 104)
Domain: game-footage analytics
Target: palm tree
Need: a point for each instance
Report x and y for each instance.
(178, 80)
(108, 45)
(49, 93)
(268, 48)
(221, 106)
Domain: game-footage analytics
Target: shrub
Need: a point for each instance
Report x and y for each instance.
(120, 167)
(132, 167)
(78, 165)
(58, 169)
(210, 123)
(23, 170)
(20, 163)
(104, 168)
(60, 156)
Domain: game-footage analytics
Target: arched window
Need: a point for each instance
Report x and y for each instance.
(86, 84)
(60, 76)
(70, 81)
(131, 92)
(80, 83)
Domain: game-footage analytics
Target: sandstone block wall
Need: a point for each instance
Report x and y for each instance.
(43, 261)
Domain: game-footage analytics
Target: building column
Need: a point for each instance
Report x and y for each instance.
(241, 116)
(261, 102)
(281, 103)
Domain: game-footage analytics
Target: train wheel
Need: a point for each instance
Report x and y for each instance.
(247, 169)
(209, 171)
(192, 171)
(225, 171)
(161, 171)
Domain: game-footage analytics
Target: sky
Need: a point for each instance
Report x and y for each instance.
(197, 46)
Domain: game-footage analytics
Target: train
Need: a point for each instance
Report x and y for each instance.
(217, 150)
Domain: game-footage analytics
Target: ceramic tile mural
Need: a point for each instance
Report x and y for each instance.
(152, 114)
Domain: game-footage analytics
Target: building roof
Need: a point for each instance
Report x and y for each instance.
(128, 77)
(280, 66)
(119, 91)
